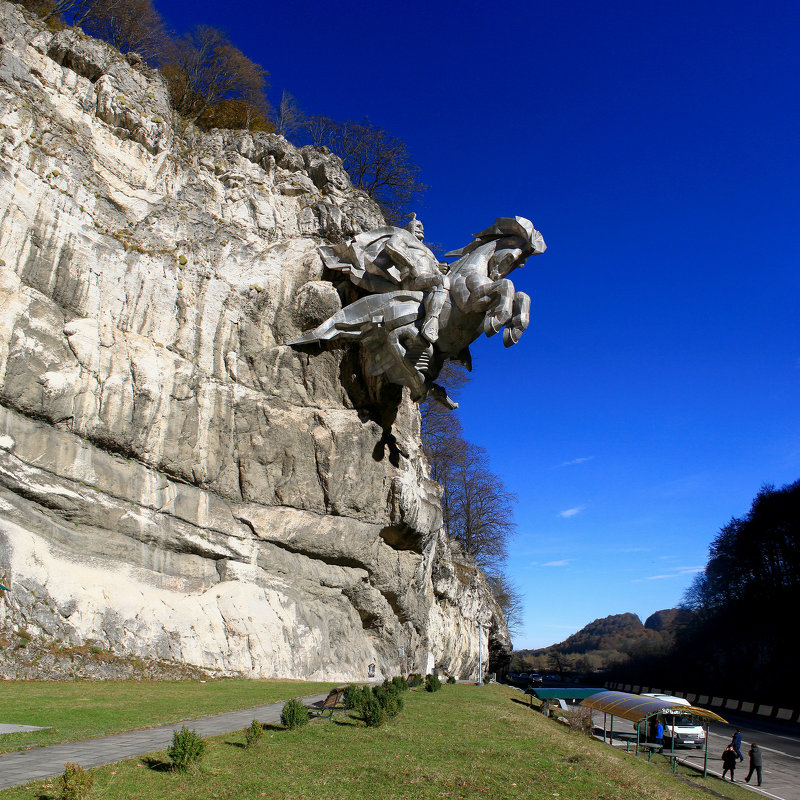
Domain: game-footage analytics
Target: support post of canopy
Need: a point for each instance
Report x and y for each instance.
(705, 755)
(605, 716)
(638, 731)
(672, 748)
(611, 736)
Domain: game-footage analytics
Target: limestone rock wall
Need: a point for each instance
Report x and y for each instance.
(175, 482)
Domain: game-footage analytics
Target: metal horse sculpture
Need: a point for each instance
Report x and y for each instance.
(394, 324)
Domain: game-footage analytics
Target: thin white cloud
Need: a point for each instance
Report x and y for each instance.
(679, 572)
(574, 461)
(562, 563)
(628, 550)
(570, 512)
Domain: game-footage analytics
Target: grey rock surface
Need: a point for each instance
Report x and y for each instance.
(176, 482)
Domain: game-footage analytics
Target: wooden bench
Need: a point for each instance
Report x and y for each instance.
(329, 703)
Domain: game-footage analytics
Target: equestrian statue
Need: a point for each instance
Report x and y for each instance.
(417, 313)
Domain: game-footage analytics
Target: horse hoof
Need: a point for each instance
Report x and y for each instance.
(491, 325)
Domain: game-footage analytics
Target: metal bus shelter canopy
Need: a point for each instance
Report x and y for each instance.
(635, 707)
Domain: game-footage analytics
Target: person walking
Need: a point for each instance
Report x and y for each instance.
(755, 763)
(736, 743)
(729, 762)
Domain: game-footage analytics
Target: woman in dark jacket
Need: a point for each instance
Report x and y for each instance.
(729, 761)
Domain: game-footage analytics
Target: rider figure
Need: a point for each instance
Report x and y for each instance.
(420, 272)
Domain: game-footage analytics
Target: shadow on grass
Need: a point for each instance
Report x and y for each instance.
(348, 722)
(525, 703)
(45, 797)
(156, 765)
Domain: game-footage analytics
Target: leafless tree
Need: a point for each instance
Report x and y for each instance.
(290, 117)
(481, 509)
(477, 508)
(509, 598)
(320, 129)
(205, 68)
(377, 162)
(129, 25)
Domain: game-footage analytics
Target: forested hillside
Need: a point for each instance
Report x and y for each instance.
(603, 643)
(735, 633)
(738, 636)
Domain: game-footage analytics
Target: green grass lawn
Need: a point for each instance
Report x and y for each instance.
(462, 742)
(85, 709)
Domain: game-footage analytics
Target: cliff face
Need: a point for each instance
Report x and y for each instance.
(175, 482)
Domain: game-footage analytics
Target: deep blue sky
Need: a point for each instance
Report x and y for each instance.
(656, 148)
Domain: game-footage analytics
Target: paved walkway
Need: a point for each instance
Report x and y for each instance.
(39, 763)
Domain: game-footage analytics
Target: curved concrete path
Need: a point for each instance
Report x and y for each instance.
(39, 763)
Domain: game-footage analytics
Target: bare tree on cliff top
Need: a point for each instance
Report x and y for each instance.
(129, 25)
(290, 116)
(376, 161)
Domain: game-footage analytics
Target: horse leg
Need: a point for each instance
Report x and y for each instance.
(519, 319)
(500, 310)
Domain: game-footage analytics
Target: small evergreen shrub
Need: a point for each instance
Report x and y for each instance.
(187, 748)
(414, 681)
(353, 696)
(400, 682)
(253, 733)
(294, 714)
(75, 783)
(372, 712)
(487, 679)
(392, 704)
(390, 698)
(432, 683)
(451, 679)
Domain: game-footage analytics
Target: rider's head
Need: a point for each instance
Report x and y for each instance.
(415, 226)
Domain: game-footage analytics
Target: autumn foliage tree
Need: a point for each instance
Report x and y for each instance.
(204, 71)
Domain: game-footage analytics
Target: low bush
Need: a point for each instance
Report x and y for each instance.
(294, 714)
(372, 712)
(75, 783)
(414, 681)
(432, 683)
(390, 698)
(353, 696)
(487, 679)
(400, 682)
(253, 733)
(451, 679)
(186, 750)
